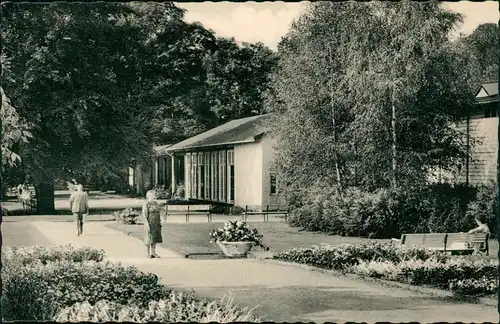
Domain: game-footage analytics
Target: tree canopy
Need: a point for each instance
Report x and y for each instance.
(365, 97)
(484, 41)
(102, 83)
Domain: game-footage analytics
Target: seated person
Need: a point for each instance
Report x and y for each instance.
(482, 227)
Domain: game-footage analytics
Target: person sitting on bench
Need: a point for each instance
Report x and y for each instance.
(482, 227)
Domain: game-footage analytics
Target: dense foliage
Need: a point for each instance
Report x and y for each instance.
(365, 99)
(365, 104)
(142, 76)
(72, 284)
(388, 213)
(414, 266)
(484, 41)
(178, 307)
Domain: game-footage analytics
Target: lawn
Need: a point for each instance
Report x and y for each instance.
(193, 237)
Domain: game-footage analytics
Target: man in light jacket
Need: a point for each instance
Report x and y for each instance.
(79, 205)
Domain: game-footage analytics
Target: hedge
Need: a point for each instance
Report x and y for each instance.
(388, 213)
(414, 266)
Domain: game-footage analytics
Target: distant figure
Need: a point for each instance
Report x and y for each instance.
(20, 190)
(79, 205)
(152, 224)
(72, 185)
(482, 227)
(180, 192)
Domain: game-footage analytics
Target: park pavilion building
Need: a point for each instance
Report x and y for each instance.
(231, 163)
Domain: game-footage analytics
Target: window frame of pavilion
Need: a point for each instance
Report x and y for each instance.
(230, 195)
(187, 184)
(222, 175)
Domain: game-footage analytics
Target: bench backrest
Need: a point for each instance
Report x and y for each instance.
(443, 240)
(429, 240)
(200, 208)
(263, 208)
(277, 208)
(467, 238)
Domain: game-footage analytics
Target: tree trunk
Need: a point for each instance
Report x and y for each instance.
(468, 150)
(394, 142)
(334, 124)
(45, 198)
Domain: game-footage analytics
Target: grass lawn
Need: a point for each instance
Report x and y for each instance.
(193, 237)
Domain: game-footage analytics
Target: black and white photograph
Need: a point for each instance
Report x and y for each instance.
(325, 161)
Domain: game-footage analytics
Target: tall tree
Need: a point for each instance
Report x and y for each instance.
(74, 81)
(364, 93)
(237, 78)
(485, 43)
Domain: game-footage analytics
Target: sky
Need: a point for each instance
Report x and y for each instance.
(267, 22)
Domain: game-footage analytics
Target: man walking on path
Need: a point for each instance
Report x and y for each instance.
(79, 205)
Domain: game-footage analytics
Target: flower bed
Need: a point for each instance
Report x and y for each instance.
(44, 254)
(414, 266)
(72, 283)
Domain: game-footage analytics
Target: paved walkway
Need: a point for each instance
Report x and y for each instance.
(283, 293)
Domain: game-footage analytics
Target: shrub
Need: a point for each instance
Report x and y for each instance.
(474, 287)
(237, 210)
(63, 283)
(180, 201)
(485, 206)
(385, 213)
(32, 254)
(343, 257)
(162, 192)
(440, 274)
(178, 307)
(460, 275)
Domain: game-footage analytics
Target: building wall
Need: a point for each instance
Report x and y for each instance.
(483, 167)
(268, 153)
(248, 174)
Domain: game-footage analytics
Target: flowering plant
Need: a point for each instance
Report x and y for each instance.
(237, 231)
(126, 216)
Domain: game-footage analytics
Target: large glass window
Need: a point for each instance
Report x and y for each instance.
(207, 175)
(230, 175)
(201, 177)
(222, 175)
(187, 186)
(214, 186)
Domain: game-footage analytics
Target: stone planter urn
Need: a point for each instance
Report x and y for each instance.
(235, 249)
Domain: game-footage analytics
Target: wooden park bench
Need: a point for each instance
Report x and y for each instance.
(265, 210)
(447, 242)
(188, 210)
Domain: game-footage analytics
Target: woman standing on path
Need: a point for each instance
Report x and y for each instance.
(152, 224)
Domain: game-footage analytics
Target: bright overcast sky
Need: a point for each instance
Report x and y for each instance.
(267, 22)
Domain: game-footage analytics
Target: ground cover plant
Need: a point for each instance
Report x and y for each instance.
(47, 283)
(416, 266)
(178, 307)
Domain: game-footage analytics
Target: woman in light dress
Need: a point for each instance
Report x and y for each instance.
(152, 224)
